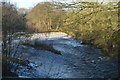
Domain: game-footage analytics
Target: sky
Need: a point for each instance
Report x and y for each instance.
(25, 3)
(31, 3)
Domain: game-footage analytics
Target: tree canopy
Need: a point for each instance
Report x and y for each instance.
(43, 17)
(11, 20)
(95, 23)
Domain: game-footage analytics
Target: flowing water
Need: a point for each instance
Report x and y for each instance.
(76, 60)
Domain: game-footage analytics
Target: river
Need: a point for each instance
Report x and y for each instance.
(75, 61)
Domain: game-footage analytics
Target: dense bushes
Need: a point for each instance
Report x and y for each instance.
(97, 25)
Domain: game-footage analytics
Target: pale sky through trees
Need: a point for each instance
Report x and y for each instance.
(31, 3)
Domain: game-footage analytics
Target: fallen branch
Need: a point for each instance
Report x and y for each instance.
(15, 60)
(43, 47)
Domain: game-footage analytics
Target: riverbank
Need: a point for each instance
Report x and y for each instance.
(110, 47)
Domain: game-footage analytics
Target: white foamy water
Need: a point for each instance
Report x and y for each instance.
(49, 35)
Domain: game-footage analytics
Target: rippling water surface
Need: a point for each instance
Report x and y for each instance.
(76, 60)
